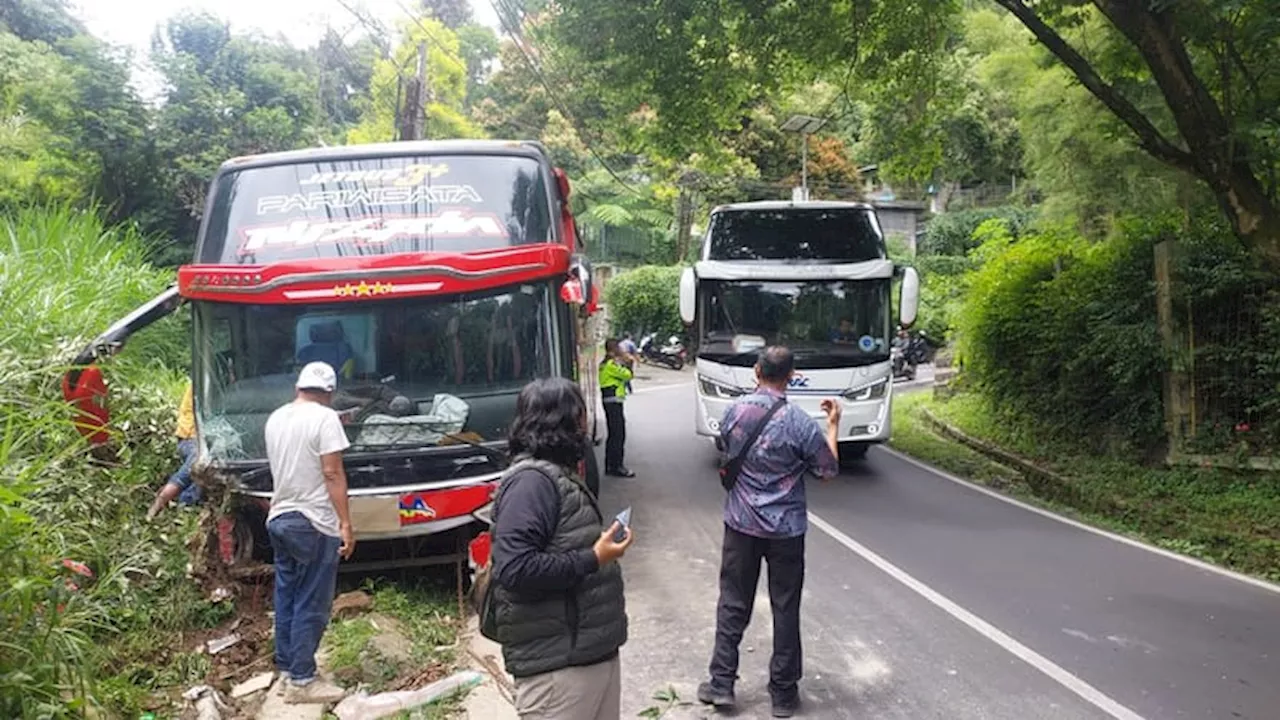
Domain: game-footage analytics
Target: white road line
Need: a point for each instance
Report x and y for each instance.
(1055, 672)
(1193, 562)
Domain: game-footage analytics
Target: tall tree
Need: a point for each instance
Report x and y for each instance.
(453, 13)
(446, 86)
(226, 95)
(478, 46)
(46, 20)
(74, 128)
(1077, 155)
(346, 70)
(1216, 66)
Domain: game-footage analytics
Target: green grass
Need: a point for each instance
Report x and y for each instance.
(426, 617)
(1225, 517)
(69, 640)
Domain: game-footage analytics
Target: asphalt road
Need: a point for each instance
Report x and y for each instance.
(927, 598)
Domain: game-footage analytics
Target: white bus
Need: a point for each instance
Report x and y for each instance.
(814, 276)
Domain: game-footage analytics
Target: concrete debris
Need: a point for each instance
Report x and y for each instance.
(363, 706)
(254, 684)
(217, 645)
(208, 704)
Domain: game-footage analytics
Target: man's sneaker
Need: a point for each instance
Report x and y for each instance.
(786, 708)
(620, 472)
(709, 694)
(316, 692)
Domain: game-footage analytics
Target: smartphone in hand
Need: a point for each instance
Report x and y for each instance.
(624, 521)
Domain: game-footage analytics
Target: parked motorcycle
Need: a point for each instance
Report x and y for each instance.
(903, 368)
(907, 353)
(671, 355)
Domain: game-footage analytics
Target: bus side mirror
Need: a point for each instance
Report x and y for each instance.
(688, 295)
(909, 302)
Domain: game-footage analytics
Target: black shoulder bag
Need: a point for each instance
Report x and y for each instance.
(730, 468)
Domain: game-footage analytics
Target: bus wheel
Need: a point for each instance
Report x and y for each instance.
(852, 454)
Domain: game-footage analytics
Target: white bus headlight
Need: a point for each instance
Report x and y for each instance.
(874, 391)
(717, 390)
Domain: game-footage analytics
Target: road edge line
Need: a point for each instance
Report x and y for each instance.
(1123, 539)
(1055, 672)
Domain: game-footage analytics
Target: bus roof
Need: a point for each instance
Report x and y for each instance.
(526, 148)
(792, 205)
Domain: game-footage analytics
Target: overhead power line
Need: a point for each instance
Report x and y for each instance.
(444, 48)
(516, 38)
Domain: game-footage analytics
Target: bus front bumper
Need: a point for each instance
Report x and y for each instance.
(413, 511)
(861, 421)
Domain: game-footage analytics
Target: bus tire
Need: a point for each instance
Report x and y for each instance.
(853, 453)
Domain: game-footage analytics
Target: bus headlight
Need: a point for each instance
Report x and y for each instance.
(874, 391)
(717, 390)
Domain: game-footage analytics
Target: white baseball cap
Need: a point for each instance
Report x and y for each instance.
(317, 376)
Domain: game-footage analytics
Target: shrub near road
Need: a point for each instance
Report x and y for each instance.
(644, 300)
(86, 590)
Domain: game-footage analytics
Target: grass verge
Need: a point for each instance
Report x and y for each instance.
(1225, 517)
(94, 603)
(408, 639)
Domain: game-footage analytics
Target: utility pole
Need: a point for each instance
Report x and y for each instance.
(413, 115)
(424, 93)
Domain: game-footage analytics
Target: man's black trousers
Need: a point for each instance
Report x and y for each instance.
(739, 575)
(616, 425)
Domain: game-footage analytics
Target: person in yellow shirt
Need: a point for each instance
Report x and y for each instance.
(615, 374)
(180, 485)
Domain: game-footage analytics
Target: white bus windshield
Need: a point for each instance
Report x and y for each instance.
(827, 324)
(796, 234)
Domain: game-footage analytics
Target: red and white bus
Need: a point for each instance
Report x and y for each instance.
(436, 277)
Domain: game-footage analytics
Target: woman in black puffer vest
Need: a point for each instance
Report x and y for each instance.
(558, 606)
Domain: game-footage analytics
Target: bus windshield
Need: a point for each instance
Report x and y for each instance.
(411, 373)
(827, 324)
(796, 234)
(376, 206)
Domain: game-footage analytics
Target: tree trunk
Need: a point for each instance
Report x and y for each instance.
(1213, 152)
(684, 222)
(1218, 155)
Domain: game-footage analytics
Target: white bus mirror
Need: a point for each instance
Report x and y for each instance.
(688, 295)
(909, 302)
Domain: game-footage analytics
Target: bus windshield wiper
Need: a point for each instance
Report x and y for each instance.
(503, 458)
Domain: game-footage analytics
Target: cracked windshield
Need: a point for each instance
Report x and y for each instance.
(495, 359)
(411, 374)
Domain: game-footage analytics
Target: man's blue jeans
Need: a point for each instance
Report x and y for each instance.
(191, 493)
(306, 577)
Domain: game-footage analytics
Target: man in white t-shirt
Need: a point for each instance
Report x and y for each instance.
(309, 525)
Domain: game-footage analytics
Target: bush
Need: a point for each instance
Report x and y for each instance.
(77, 567)
(952, 233)
(1064, 333)
(646, 299)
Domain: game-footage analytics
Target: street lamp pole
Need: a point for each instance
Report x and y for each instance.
(804, 163)
(805, 125)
